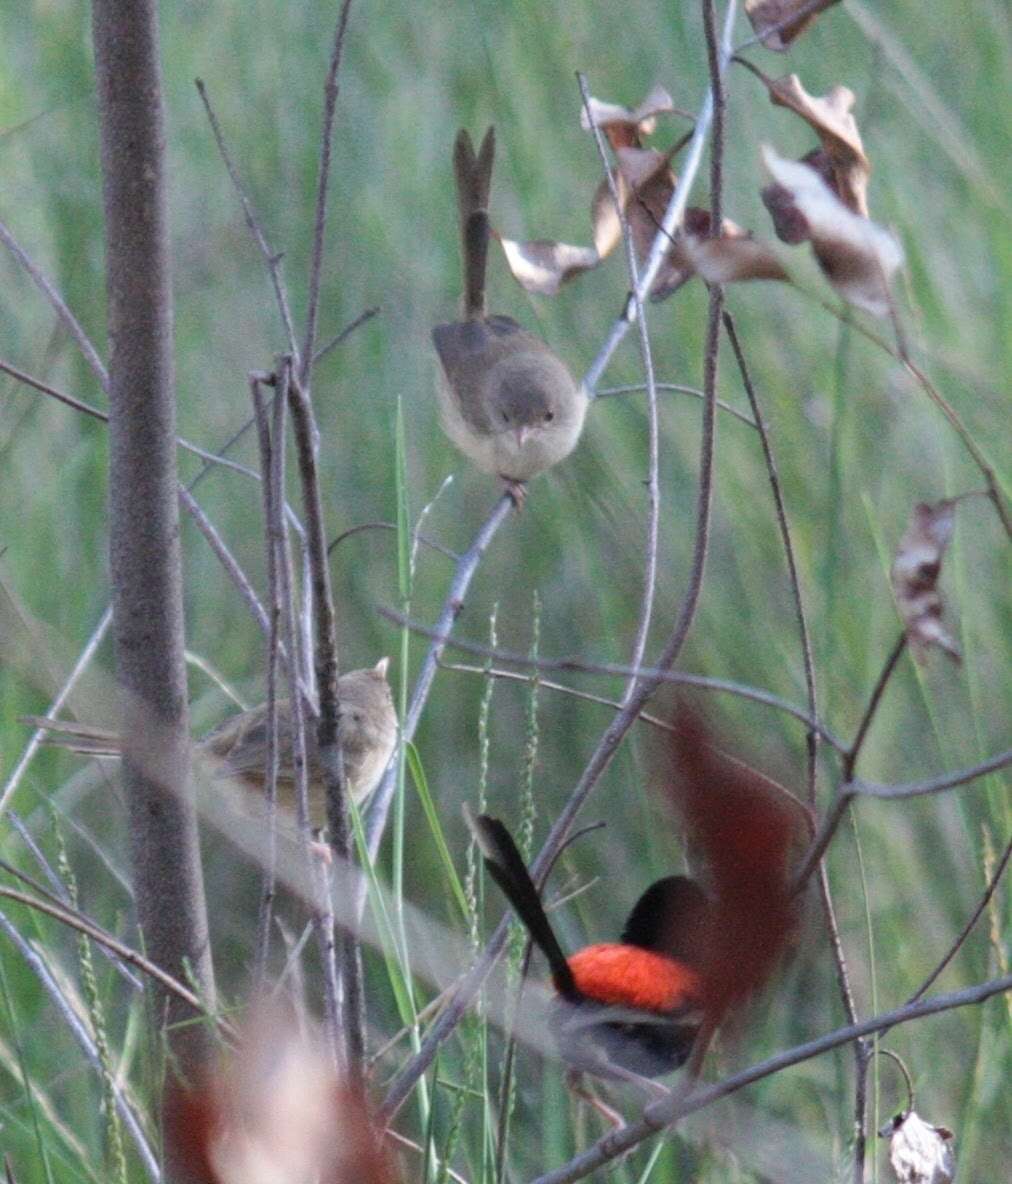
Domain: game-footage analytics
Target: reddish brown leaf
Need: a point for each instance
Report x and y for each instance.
(919, 1152)
(745, 831)
(625, 127)
(766, 15)
(275, 1112)
(857, 256)
(915, 573)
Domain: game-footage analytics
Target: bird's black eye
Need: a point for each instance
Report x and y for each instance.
(549, 416)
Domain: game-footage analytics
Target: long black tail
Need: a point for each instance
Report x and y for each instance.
(506, 866)
(473, 175)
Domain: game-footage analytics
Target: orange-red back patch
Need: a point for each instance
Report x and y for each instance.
(630, 976)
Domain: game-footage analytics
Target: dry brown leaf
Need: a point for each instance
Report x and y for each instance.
(831, 119)
(543, 266)
(857, 256)
(767, 14)
(915, 573)
(919, 1152)
(732, 256)
(625, 127)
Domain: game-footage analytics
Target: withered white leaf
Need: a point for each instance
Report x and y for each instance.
(857, 256)
(543, 266)
(919, 1152)
(846, 168)
(732, 257)
(624, 127)
(915, 572)
(768, 14)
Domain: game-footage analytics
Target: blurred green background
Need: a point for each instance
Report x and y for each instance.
(857, 444)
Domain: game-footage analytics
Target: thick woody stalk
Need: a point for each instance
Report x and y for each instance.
(144, 514)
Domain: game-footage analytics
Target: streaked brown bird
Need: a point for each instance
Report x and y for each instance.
(237, 748)
(505, 399)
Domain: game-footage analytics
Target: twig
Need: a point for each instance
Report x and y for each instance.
(70, 322)
(850, 759)
(718, 98)
(345, 333)
(901, 1065)
(467, 565)
(663, 1113)
(899, 792)
(965, 932)
(272, 259)
(83, 1037)
(363, 526)
(75, 920)
(611, 391)
(653, 437)
(615, 669)
(271, 720)
(328, 737)
(672, 217)
(304, 370)
(936, 397)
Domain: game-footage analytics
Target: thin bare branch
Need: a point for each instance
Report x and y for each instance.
(653, 431)
(83, 1037)
(345, 333)
(330, 90)
(850, 760)
(608, 392)
(272, 259)
(392, 526)
(467, 565)
(615, 669)
(899, 792)
(68, 319)
(967, 929)
(328, 737)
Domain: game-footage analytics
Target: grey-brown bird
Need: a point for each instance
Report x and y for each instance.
(505, 399)
(237, 748)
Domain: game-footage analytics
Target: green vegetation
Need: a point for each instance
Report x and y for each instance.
(857, 444)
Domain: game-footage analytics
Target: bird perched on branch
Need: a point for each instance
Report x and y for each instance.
(689, 957)
(629, 1009)
(505, 399)
(237, 748)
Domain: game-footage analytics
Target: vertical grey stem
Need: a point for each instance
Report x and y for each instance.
(144, 516)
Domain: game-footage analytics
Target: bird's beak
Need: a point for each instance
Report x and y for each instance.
(381, 667)
(522, 435)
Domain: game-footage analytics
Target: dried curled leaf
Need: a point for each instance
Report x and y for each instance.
(543, 266)
(915, 573)
(919, 1152)
(275, 1112)
(733, 255)
(745, 830)
(776, 21)
(857, 256)
(625, 127)
(845, 167)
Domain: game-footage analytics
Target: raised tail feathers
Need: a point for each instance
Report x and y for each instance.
(506, 866)
(473, 175)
